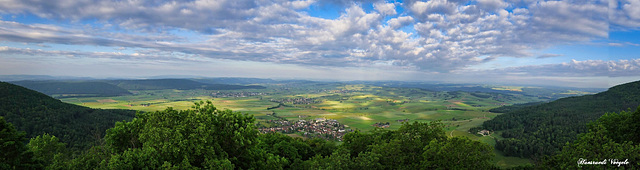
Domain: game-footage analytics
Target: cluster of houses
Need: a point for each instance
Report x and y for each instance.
(319, 127)
(302, 100)
(484, 132)
(344, 91)
(236, 94)
(381, 125)
(402, 120)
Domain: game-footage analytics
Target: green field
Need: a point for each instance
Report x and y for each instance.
(358, 106)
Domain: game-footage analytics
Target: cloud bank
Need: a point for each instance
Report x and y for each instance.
(435, 36)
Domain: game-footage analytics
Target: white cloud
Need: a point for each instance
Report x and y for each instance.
(624, 14)
(385, 8)
(491, 5)
(447, 36)
(586, 68)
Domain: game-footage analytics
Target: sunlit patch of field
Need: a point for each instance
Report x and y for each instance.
(459, 103)
(508, 88)
(107, 101)
(365, 118)
(574, 92)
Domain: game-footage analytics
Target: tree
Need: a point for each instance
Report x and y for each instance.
(201, 137)
(46, 148)
(13, 152)
(601, 143)
(457, 153)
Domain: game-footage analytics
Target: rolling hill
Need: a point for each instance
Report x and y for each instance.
(61, 89)
(543, 129)
(180, 84)
(37, 114)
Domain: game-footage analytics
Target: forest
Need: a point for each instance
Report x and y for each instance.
(61, 89)
(37, 114)
(534, 131)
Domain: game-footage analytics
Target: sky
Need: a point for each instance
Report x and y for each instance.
(577, 43)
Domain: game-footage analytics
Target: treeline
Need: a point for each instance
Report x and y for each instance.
(543, 129)
(37, 114)
(180, 84)
(108, 88)
(207, 138)
(63, 89)
(514, 107)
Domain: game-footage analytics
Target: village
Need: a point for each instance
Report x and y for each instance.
(236, 94)
(302, 100)
(320, 127)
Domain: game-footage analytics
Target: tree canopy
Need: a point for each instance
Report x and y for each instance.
(614, 137)
(37, 114)
(538, 130)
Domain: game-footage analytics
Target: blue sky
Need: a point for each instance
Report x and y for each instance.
(591, 43)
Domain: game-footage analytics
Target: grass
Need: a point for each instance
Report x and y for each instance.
(358, 106)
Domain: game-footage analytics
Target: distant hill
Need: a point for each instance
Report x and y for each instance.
(543, 129)
(546, 93)
(180, 84)
(234, 80)
(61, 89)
(9, 78)
(36, 114)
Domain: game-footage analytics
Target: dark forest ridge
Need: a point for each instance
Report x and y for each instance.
(37, 114)
(62, 89)
(106, 88)
(543, 129)
(179, 84)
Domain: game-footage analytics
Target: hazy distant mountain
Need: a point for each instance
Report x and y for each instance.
(180, 84)
(8, 78)
(73, 88)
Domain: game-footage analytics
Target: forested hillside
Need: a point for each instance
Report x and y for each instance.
(37, 114)
(180, 84)
(543, 129)
(74, 88)
(613, 139)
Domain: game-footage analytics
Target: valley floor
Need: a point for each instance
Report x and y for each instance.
(359, 107)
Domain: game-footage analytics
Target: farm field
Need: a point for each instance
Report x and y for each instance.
(358, 106)
(355, 105)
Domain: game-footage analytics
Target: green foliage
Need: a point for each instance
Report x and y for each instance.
(47, 148)
(543, 129)
(37, 114)
(510, 108)
(606, 141)
(457, 153)
(13, 152)
(200, 137)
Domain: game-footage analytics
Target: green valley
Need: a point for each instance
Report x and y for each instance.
(354, 106)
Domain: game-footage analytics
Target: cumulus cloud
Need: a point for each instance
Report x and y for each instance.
(385, 8)
(575, 68)
(443, 35)
(142, 55)
(624, 14)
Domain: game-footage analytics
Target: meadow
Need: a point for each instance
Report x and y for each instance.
(355, 105)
